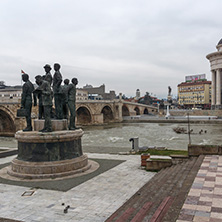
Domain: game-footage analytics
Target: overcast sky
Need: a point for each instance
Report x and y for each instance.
(125, 44)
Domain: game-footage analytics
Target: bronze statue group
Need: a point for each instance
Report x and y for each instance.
(49, 88)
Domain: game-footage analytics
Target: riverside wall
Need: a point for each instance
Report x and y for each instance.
(164, 120)
(196, 113)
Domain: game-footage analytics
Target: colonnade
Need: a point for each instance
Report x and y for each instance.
(215, 60)
(216, 88)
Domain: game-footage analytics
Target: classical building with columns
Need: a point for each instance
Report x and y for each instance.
(215, 59)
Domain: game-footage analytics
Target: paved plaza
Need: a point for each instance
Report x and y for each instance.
(94, 200)
(97, 198)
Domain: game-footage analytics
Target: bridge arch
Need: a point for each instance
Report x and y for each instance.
(7, 121)
(125, 111)
(145, 111)
(137, 110)
(83, 115)
(107, 114)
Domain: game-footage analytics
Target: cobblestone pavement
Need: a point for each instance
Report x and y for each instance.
(94, 200)
(204, 201)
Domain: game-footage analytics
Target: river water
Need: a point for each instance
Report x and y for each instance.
(114, 138)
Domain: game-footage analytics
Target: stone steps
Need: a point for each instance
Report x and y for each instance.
(162, 197)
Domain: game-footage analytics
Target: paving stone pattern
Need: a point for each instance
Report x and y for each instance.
(67, 183)
(204, 201)
(94, 200)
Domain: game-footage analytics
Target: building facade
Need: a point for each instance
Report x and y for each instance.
(98, 93)
(215, 59)
(81, 95)
(10, 94)
(195, 93)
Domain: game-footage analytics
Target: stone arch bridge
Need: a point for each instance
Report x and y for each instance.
(88, 112)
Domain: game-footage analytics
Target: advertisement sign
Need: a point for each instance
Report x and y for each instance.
(194, 78)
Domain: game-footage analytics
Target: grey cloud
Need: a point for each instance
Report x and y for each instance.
(124, 44)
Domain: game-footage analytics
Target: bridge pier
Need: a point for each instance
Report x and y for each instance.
(97, 118)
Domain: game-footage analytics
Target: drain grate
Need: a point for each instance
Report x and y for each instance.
(28, 193)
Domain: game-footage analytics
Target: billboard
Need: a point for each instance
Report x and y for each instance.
(194, 78)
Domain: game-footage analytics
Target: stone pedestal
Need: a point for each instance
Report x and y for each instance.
(57, 125)
(168, 112)
(50, 169)
(35, 146)
(48, 155)
(169, 99)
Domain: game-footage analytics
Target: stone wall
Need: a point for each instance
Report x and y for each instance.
(196, 150)
(196, 112)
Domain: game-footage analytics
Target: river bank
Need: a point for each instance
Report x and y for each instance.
(171, 119)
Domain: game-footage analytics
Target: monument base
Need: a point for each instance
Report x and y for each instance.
(46, 170)
(35, 146)
(57, 124)
(169, 99)
(48, 155)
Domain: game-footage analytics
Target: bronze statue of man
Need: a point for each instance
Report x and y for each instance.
(47, 94)
(169, 91)
(26, 101)
(72, 103)
(38, 80)
(48, 68)
(65, 98)
(57, 80)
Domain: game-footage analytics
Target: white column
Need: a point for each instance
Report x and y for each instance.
(213, 88)
(218, 87)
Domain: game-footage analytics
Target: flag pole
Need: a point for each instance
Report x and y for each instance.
(22, 72)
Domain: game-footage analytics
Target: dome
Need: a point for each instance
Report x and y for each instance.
(220, 42)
